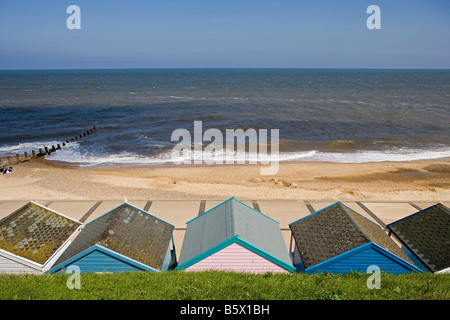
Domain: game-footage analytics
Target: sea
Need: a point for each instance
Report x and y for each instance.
(335, 115)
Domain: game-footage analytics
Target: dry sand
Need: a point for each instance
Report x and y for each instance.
(384, 181)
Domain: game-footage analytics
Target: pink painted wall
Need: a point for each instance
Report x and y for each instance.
(238, 259)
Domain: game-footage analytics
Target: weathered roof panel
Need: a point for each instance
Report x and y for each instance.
(336, 229)
(129, 231)
(325, 234)
(35, 232)
(375, 234)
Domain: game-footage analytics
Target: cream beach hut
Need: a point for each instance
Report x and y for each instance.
(33, 237)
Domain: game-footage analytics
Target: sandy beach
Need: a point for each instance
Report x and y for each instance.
(381, 181)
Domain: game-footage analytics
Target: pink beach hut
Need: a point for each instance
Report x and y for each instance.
(234, 237)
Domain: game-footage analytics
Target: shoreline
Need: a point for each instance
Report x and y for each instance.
(171, 165)
(424, 180)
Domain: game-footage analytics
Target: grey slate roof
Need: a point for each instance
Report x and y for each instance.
(334, 230)
(35, 232)
(427, 234)
(227, 220)
(129, 231)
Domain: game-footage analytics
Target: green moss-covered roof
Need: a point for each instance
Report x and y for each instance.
(129, 231)
(35, 232)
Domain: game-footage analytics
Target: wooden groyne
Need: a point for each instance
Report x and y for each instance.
(19, 158)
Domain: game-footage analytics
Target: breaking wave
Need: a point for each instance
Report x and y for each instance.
(75, 156)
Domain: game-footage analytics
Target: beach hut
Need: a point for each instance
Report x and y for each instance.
(33, 237)
(337, 239)
(126, 238)
(426, 237)
(234, 237)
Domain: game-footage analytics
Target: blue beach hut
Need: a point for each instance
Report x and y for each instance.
(337, 239)
(126, 238)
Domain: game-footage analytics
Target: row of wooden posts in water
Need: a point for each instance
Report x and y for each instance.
(44, 151)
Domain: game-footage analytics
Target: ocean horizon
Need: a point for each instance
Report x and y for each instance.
(322, 114)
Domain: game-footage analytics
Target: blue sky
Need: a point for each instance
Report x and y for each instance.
(224, 33)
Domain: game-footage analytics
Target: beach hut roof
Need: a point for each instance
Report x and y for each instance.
(126, 230)
(337, 229)
(233, 221)
(35, 232)
(427, 234)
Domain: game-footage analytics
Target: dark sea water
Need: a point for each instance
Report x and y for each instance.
(321, 114)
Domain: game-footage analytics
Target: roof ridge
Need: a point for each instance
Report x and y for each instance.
(315, 212)
(109, 213)
(443, 207)
(439, 205)
(349, 216)
(146, 212)
(259, 212)
(209, 210)
(105, 214)
(233, 220)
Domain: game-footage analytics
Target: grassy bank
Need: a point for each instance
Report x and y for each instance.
(225, 286)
